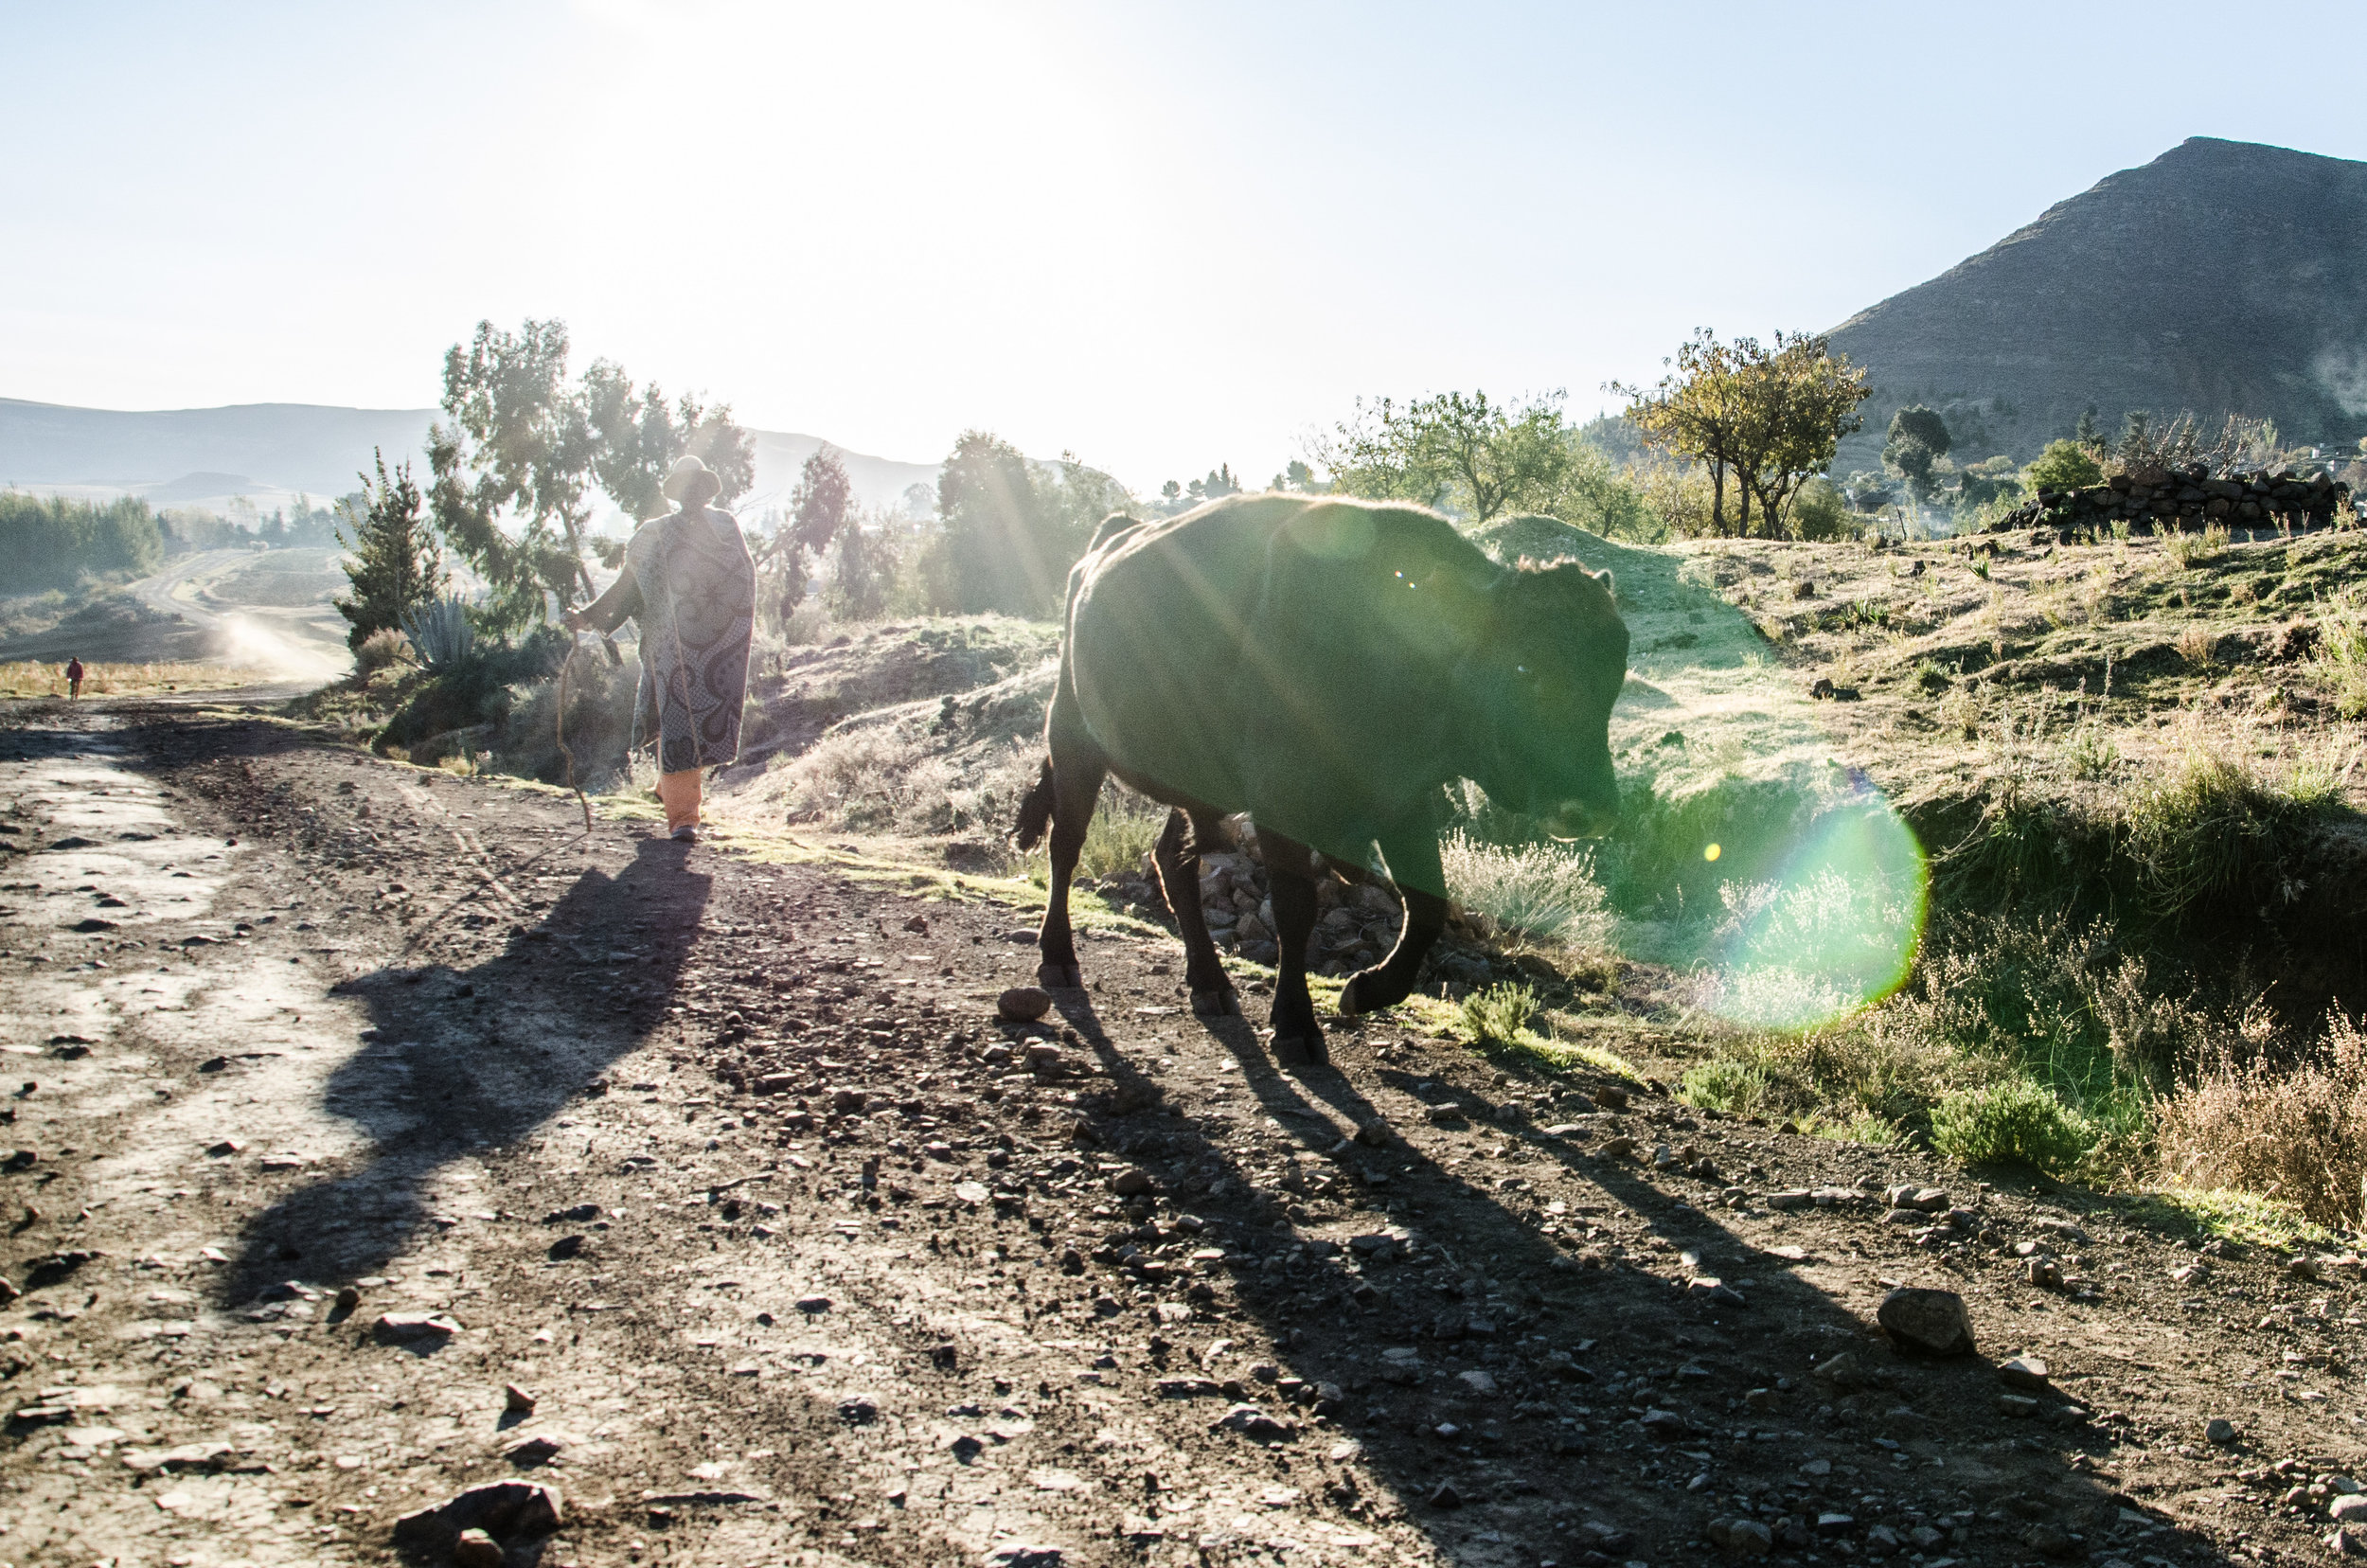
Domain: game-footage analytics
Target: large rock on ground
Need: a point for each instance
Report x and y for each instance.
(507, 1511)
(1931, 1322)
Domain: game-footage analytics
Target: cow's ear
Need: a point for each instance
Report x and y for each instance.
(1603, 577)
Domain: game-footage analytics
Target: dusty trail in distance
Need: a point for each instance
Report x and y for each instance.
(803, 1257)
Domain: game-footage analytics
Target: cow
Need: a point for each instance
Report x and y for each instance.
(1326, 667)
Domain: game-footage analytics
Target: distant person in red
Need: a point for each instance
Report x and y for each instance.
(73, 678)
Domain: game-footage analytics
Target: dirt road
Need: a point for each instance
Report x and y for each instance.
(353, 1093)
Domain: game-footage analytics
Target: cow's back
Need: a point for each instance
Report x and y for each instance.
(1284, 655)
(1159, 628)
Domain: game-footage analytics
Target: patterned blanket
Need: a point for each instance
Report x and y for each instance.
(698, 593)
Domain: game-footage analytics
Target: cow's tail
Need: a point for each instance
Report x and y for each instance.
(1035, 811)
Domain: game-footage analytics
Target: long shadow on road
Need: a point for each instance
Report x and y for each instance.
(1526, 1396)
(465, 1060)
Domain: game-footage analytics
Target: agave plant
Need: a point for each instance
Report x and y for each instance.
(439, 630)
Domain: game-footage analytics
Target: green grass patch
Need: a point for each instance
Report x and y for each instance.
(2237, 1216)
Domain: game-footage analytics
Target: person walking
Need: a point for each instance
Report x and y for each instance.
(690, 583)
(74, 673)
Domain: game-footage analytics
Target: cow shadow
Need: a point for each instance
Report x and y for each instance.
(1589, 1378)
(459, 1061)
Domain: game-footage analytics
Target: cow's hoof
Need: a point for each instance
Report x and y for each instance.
(1369, 991)
(1217, 1004)
(1061, 976)
(1301, 1051)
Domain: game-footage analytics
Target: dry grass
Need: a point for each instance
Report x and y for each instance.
(878, 778)
(2293, 1131)
(29, 679)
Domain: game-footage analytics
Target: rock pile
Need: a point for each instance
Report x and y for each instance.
(1356, 926)
(2186, 498)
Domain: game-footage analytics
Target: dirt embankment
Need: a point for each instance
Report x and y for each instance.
(794, 1251)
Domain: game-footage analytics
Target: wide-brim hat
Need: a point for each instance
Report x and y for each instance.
(690, 482)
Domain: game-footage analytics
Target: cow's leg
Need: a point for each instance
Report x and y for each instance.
(1077, 775)
(1413, 859)
(1177, 857)
(1291, 882)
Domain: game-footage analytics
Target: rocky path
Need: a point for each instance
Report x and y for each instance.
(378, 1135)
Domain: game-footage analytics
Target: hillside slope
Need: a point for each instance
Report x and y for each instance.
(2223, 277)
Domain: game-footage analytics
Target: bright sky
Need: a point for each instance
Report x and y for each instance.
(1159, 235)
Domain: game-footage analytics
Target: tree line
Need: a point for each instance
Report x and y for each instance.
(1728, 442)
(51, 542)
(523, 452)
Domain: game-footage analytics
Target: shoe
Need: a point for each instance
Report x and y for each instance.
(686, 833)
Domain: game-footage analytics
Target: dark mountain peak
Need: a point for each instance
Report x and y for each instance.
(2222, 277)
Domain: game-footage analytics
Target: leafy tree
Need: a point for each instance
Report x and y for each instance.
(2085, 432)
(1460, 450)
(516, 456)
(1917, 440)
(1219, 483)
(862, 567)
(1818, 512)
(640, 437)
(1172, 493)
(1796, 400)
(520, 449)
(54, 543)
(1008, 529)
(1692, 413)
(1768, 417)
(820, 505)
(394, 567)
(997, 553)
(1595, 495)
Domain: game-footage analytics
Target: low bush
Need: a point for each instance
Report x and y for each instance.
(1123, 830)
(1728, 1085)
(2295, 1132)
(380, 650)
(2014, 1120)
(2214, 828)
(1543, 891)
(1499, 1015)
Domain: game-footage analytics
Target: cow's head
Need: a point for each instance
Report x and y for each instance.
(1539, 687)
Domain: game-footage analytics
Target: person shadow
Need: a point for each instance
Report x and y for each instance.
(459, 1061)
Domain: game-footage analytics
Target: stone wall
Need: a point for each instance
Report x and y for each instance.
(2187, 499)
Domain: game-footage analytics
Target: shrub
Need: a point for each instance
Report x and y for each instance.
(2339, 659)
(1541, 891)
(2213, 828)
(1499, 1015)
(2064, 465)
(441, 632)
(380, 650)
(2295, 1132)
(1726, 1083)
(1820, 511)
(1123, 830)
(2014, 1120)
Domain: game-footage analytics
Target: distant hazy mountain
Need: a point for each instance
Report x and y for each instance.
(2221, 277)
(261, 451)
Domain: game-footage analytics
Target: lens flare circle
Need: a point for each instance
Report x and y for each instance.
(1834, 929)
